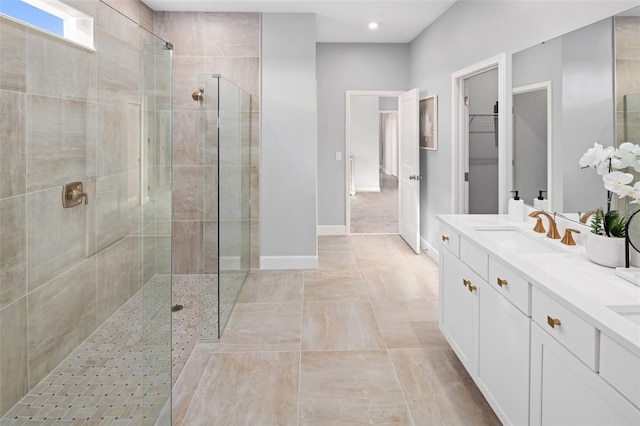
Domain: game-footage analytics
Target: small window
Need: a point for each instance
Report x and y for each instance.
(51, 16)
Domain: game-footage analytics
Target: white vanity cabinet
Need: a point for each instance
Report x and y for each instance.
(566, 388)
(541, 350)
(487, 331)
(564, 391)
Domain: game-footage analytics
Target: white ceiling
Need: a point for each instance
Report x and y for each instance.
(337, 21)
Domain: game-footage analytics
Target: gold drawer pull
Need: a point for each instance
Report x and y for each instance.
(472, 288)
(502, 282)
(445, 238)
(466, 282)
(553, 322)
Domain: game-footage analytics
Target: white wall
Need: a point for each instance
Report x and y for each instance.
(364, 142)
(342, 67)
(469, 32)
(288, 174)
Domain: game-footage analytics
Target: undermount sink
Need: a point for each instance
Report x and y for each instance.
(629, 312)
(516, 239)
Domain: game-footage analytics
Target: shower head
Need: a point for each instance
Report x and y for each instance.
(198, 95)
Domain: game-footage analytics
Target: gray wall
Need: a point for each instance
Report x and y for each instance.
(364, 141)
(342, 67)
(465, 34)
(289, 142)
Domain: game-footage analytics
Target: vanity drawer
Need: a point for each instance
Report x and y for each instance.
(620, 368)
(450, 239)
(566, 327)
(510, 284)
(475, 258)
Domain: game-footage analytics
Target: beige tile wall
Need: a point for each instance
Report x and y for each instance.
(70, 114)
(207, 43)
(627, 36)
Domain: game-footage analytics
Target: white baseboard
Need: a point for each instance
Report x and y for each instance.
(288, 262)
(368, 189)
(332, 230)
(432, 252)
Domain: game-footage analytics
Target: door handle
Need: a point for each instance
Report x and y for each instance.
(415, 177)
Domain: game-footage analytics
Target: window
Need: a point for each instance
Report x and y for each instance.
(51, 16)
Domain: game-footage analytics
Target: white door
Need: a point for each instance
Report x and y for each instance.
(409, 170)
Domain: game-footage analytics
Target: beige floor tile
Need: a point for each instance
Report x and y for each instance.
(247, 389)
(340, 326)
(438, 389)
(409, 324)
(396, 286)
(334, 242)
(272, 287)
(336, 260)
(185, 387)
(334, 287)
(263, 327)
(339, 388)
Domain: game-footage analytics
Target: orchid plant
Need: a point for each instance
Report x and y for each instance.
(611, 164)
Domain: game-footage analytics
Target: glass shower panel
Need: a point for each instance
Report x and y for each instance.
(234, 114)
(155, 199)
(224, 132)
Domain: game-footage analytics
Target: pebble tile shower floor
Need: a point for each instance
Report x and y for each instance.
(118, 376)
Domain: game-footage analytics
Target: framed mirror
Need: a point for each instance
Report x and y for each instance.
(595, 98)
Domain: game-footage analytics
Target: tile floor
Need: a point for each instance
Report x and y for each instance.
(120, 375)
(354, 342)
(376, 212)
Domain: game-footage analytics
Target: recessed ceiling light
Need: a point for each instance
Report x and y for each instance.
(373, 25)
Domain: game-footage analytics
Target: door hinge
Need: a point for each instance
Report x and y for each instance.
(467, 101)
(466, 176)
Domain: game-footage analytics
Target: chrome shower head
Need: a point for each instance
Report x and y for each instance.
(198, 95)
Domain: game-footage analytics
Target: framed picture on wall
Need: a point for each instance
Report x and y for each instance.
(429, 122)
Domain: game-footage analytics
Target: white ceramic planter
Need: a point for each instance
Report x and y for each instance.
(605, 251)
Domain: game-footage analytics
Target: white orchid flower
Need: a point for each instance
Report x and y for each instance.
(618, 183)
(597, 158)
(635, 194)
(627, 155)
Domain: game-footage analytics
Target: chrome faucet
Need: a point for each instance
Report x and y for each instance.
(553, 228)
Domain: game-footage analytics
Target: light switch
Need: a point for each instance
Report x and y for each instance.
(338, 156)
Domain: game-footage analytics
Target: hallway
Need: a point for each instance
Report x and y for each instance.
(355, 341)
(376, 212)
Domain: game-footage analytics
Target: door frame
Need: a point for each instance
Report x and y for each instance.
(347, 143)
(459, 131)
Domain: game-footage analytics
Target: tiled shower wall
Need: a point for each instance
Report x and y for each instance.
(207, 43)
(627, 36)
(68, 114)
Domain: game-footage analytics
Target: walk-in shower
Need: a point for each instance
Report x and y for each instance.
(85, 291)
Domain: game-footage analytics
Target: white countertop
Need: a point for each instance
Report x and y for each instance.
(570, 278)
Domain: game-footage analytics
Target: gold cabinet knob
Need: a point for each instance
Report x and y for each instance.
(472, 288)
(445, 238)
(553, 322)
(466, 282)
(502, 282)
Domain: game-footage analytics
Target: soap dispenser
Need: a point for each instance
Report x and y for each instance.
(540, 203)
(515, 208)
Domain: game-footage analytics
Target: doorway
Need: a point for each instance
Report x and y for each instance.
(372, 162)
(479, 131)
